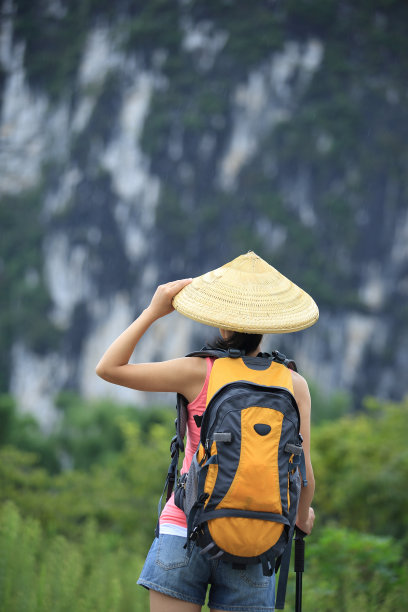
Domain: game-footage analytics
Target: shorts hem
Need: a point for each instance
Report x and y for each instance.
(214, 605)
(157, 587)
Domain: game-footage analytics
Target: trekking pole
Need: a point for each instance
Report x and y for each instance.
(299, 565)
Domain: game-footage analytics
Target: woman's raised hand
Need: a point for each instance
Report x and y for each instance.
(161, 303)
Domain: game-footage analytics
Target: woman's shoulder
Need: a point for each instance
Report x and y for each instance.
(300, 387)
(194, 364)
(195, 373)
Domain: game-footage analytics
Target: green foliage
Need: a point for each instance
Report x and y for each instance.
(24, 432)
(354, 572)
(56, 34)
(85, 433)
(24, 298)
(146, 27)
(120, 494)
(178, 222)
(86, 531)
(328, 406)
(361, 465)
(90, 432)
(98, 130)
(153, 25)
(7, 417)
(52, 574)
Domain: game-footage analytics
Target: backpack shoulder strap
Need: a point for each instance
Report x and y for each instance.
(177, 442)
(181, 420)
(181, 405)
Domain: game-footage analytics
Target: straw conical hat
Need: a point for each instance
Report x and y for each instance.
(247, 295)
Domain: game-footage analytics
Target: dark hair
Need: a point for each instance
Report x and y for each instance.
(238, 340)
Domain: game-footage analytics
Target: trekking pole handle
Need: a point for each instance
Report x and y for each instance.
(299, 533)
(299, 550)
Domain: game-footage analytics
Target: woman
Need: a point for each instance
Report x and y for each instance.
(241, 296)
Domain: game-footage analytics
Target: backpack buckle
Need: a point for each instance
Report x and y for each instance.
(293, 449)
(234, 353)
(194, 534)
(181, 481)
(279, 356)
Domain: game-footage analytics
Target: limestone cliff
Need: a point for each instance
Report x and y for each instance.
(144, 141)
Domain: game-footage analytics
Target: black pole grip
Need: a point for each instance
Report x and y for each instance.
(299, 533)
(299, 565)
(299, 555)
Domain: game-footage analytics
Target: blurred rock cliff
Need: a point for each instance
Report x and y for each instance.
(146, 141)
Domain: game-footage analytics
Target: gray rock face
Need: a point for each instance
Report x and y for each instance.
(149, 173)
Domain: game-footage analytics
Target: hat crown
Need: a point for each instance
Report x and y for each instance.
(247, 294)
(251, 263)
(246, 272)
(247, 269)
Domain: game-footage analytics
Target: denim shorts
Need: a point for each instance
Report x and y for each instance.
(185, 574)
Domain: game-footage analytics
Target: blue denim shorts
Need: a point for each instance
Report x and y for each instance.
(173, 570)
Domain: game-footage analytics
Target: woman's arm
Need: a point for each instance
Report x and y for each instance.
(183, 375)
(305, 517)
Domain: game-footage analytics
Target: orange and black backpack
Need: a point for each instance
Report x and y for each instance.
(241, 493)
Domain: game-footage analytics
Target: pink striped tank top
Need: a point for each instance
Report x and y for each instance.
(171, 514)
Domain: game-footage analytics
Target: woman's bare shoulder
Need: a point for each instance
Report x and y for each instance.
(300, 387)
(194, 365)
(195, 369)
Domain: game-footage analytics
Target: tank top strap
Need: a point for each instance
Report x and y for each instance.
(200, 399)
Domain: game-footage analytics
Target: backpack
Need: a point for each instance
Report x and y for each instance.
(241, 493)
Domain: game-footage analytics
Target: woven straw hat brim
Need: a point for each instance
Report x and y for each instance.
(247, 295)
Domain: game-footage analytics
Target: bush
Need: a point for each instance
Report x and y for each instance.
(361, 466)
(328, 407)
(120, 495)
(52, 574)
(86, 433)
(94, 525)
(349, 571)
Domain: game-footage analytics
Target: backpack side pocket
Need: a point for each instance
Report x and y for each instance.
(180, 491)
(191, 488)
(185, 494)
